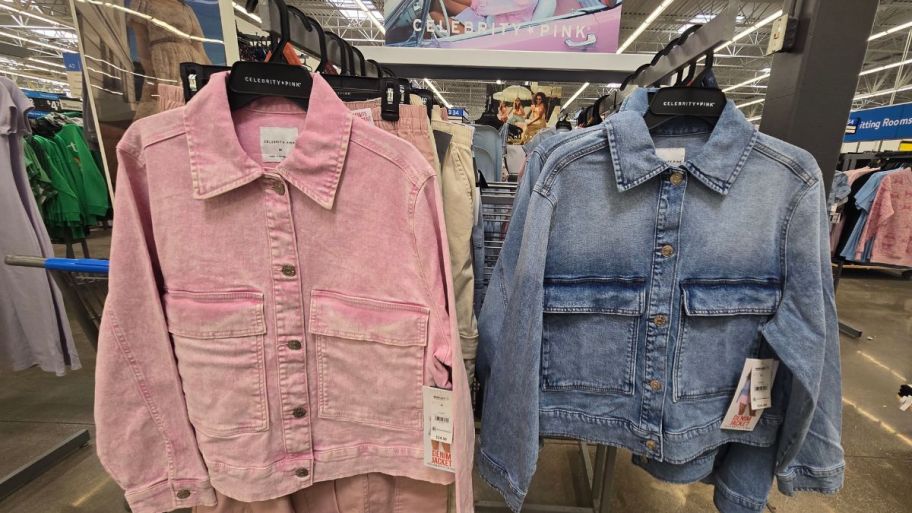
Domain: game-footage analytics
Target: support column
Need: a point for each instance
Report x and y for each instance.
(811, 87)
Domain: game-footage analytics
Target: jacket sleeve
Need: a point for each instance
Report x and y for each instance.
(510, 423)
(493, 310)
(804, 333)
(445, 353)
(145, 440)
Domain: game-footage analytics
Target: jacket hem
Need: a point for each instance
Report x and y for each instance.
(170, 495)
(727, 501)
(805, 479)
(493, 474)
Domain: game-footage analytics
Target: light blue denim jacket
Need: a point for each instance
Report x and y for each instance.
(629, 293)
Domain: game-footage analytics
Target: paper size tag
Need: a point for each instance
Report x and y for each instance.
(674, 156)
(741, 414)
(438, 428)
(905, 402)
(762, 375)
(277, 142)
(365, 114)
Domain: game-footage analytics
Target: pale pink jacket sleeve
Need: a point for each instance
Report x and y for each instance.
(145, 440)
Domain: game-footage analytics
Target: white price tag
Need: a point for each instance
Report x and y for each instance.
(277, 142)
(438, 428)
(762, 375)
(741, 414)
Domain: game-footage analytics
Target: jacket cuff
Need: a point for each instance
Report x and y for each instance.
(497, 477)
(727, 501)
(171, 495)
(798, 479)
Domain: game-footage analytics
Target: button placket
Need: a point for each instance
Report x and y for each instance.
(660, 309)
(290, 328)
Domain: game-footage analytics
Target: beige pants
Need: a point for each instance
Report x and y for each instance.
(369, 493)
(457, 173)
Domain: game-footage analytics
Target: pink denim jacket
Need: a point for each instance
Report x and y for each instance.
(269, 326)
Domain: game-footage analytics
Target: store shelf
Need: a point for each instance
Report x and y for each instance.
(505, 64)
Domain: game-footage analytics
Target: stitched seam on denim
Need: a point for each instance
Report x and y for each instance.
(806, 471)
(737, 498)
(548, 181)
(318, 327)
(399, 159)
(784, 236)
(140, 381)
(786, 161)
(744, 156)
(152, 139)
(135, 154)
(497, 467)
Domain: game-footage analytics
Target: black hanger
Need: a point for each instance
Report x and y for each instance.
(563, 124)
(307, 34)
(668, 103)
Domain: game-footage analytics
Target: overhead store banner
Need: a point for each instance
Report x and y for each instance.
(880, 123)
(531, 25)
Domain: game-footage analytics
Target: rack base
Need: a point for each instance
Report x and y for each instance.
(35, 468)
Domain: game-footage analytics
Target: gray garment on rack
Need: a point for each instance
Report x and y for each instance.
(488, 150)
(34, 329)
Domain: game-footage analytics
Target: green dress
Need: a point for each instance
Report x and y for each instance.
(90, 184)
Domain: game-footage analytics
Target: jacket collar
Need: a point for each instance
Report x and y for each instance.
(219, 164)
(717, 164)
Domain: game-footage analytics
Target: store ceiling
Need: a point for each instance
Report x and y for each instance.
(30, 46)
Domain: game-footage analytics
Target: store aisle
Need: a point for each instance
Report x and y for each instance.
(37, 409)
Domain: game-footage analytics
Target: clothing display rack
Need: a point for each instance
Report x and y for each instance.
(83, 283)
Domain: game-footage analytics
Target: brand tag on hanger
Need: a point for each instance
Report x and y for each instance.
(438, 428)
(365, 114)
(674, 156)
(277, 142)
(741, 414)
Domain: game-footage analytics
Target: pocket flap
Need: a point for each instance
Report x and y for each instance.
(617, 296)
(214, 314)
(730, 297)
(387, 322)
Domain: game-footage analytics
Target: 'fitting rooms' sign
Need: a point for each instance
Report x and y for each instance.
(880, 123)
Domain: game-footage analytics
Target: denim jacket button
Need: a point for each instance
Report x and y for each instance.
(302, 472)
(299, 412)
(294, 345)
(289, 270)
(676, 178)
(655, 385)
(651, 445)
(660, 320)
(279, 187)
(667, 250)
(183, 494)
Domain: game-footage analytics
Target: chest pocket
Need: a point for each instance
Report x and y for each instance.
(589, 333)
(720, 327)
(370, 359)
(219, 341)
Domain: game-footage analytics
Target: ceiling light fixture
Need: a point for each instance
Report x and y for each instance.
(575, 95)
(753, 28)
(881, 93)
(377, 23)
(885, 67)
(36, 43)
(755, 118)
(889, 31)
(33, 77)
(752, 102)
(643, 26)
(47, 63)
(37, 17)
(747, 82)
(433, 88)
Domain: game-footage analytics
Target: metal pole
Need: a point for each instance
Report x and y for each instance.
(900, 69)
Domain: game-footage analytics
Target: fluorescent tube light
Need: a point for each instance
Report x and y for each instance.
(371, 17)
(889, 31)
(433, 88)
(37, 17)
(643, 26)
(753, 28)
(575, 95)
(747, 82)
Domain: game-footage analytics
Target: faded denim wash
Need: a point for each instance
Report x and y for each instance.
(630, 291)
(270, 326)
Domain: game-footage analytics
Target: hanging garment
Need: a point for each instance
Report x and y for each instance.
(278, 298)
(368, 493)
(887, 234)
(34, 329)
(863, 200)
(627, 312)
(64, 214)
(851, 212)
(89, 178)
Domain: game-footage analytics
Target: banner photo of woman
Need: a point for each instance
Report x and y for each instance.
(527, 109)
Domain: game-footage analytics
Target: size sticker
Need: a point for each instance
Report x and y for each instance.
(674, 156)
(762, 375)
(365, 114)
(438, 428)
(277, 142)
(741, 415)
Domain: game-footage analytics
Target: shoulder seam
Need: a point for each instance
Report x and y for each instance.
(785, 160)
(411, 173)
(548, 181)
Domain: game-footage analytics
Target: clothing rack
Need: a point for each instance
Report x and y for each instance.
(83, 283)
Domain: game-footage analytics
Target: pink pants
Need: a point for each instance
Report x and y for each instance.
(368, 493)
